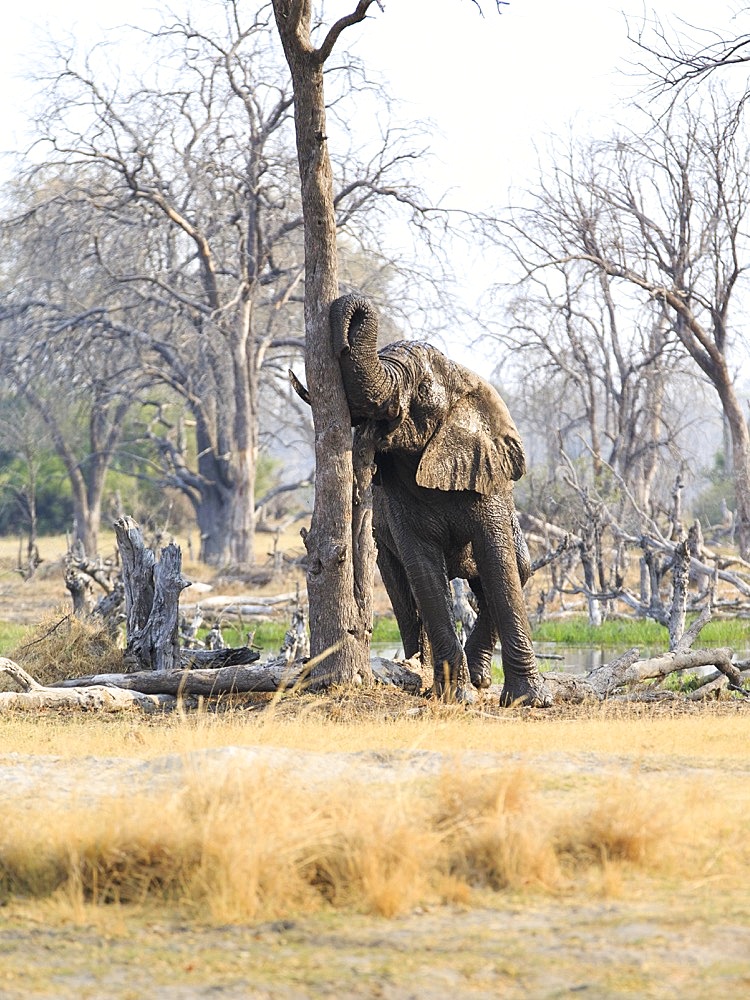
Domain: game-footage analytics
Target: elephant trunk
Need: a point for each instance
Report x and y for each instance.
(368, 384)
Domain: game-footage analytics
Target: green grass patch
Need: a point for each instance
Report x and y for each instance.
(270, 635)
(683, 684)
(267, 635)
(625, 632)
(617, 632)
(11, 635)
(734, 632)
(385, 629)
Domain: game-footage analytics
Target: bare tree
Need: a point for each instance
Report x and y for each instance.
(680, 55)
(57, 352)
(340, 620)
(610, 371)
(339, 543)
(192, 167)
(83, 413)
(22, 454)
(663, 215)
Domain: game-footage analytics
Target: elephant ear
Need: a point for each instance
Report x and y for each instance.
(476, 447)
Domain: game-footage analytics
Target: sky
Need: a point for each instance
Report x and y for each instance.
(494, 86)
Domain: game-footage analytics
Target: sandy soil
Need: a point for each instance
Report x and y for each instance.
(514, 949)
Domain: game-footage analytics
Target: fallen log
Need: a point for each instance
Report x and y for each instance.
(712, 683)
(34, 696)
(223, 601)
(233, 610)
(229, 656)
(274, 675)
(628, 669)
(269, 677)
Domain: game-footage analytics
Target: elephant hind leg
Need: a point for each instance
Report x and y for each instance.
(431, 588)
(402, 601)
(481, 642)
(498, 565)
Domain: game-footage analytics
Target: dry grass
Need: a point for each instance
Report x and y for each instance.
(714, 734)
(264, 846)
(675, 807)
(63, 646)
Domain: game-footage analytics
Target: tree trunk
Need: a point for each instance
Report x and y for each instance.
(226, 517)
(339, 625)
(680, 577)
(740, 438)
(86, 528)
(245, 438)
(224, 499)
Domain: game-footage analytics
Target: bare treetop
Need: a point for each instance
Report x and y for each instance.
(689, 54)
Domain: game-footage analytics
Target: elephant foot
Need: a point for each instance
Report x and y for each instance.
(481, 674)
(453, 685)
(527, 690)
(455, 695)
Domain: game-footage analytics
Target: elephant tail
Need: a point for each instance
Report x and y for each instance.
(299, 387)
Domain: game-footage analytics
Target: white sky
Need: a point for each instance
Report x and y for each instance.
(494, 86)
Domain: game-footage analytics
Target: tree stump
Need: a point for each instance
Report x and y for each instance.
(152, 589)
(152, 598)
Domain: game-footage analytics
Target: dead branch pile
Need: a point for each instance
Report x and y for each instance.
(619, 559)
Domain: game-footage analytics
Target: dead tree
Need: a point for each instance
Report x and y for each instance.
(152, 593)
(339, 622)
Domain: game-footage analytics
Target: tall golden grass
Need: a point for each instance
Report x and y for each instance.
(263, 846)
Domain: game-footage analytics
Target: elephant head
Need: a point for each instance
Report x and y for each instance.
(418, 402)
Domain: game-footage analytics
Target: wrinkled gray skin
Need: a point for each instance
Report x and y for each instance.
(446, 451)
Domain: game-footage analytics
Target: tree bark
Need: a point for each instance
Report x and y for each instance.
(34, 696)
(680, 578)
(269, 677)
(277, 675)
(152, 595)
(339, 625)
(740, 438)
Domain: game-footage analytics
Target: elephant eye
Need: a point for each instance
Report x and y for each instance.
(423, 389)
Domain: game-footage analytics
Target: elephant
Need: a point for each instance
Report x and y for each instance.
(446, 454)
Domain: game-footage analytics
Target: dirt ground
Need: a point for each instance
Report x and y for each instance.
(635, 935)
(688, 948)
